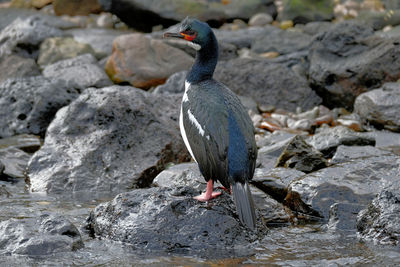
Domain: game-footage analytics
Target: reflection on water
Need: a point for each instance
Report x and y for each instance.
(308, 245)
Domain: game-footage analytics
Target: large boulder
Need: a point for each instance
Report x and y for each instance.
(13, 66)
(44, 235)
(348, 60)
(380, 107)
(143, 14)
(108, 141)
(60, 48)
(380, 221)
(267, 83)
(144, 62)
(28, 105)
(26, 34)
(79, 72)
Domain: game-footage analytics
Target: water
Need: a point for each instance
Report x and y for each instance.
(304, 245)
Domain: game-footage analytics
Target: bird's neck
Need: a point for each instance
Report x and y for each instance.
(205, 62)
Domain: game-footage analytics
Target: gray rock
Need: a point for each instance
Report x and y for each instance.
(28, 105)
(381, 106)
(315, 27)
(45, 235)
(328, 139)
(79, 72)
(281, 41)
(349, 153)
(380, 221)
(260, 19)
(342, 216)
(143, 15)
(355, 182)
(301, 156)
(386, 139)
(25, 34)
(181, 175)
(14, 161)
(175, 84)
(161, 220)
(26, 142)
(13, 66)
(348, 60)
(100, 40)
(281, 87)
(108, 141)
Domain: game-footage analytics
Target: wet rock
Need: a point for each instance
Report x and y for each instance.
(143, 15)
(306, 10)
(59, 48)
(342, 216)
(100, 40)
(144, 62)
(355, 182)
(349, 60)
(380, 107)
(76, 8)
(45, 235)
(260, 19)
(349, 153)
(26, 142)
(274, 182)
(14, 161)
(281, 88)
(24, 35)
(167, 220)
(301, 156)
(380, 221)
(328, 139)
(98, 144)
(79, 72)
(13, 66)
(281, 41)
(29, 104)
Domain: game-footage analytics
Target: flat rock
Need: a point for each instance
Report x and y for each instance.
(98, 145)
(380, 107)
(144, 62)
(281, 88)
(143, 15)
(301, 156)
(100, 40)
(355, 182)
(350, 153)
(14, 66)
(25, 33)
(43, 235)
(328, 139)
(380, 221)
(282, 42)
(348, 60)
(29, 104)
(14, 161)
(60, 48)
(79, 72)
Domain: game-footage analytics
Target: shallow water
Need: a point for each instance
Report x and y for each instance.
(306, 245)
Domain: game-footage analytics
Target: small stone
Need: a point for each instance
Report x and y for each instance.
(302, 124)
(272, 54)
(260, 19)
(286, 24)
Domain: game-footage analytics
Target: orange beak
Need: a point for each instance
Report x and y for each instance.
(180, 35)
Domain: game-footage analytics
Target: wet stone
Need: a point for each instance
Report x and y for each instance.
(342, 216)
(349, 153)
(14, 161)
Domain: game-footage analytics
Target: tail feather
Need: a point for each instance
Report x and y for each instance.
(244, 204)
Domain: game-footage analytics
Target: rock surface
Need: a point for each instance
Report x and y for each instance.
(14, 161)
(28, 105)
(41, 236)
(306, 10)
(348, 60)
(380, 107)
(276, 85)
(108, 141)
(144, 62)
(76, 8)
(79, 72)
(380, 221)
(143, 14)
(59, 48)
(13, 66)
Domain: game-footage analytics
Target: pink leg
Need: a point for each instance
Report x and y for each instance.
(209, 194)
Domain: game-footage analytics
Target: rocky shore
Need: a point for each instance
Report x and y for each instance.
(91, 153)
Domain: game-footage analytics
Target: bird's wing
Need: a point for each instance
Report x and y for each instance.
(205, 119)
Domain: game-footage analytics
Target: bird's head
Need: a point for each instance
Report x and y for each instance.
(193, 31)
